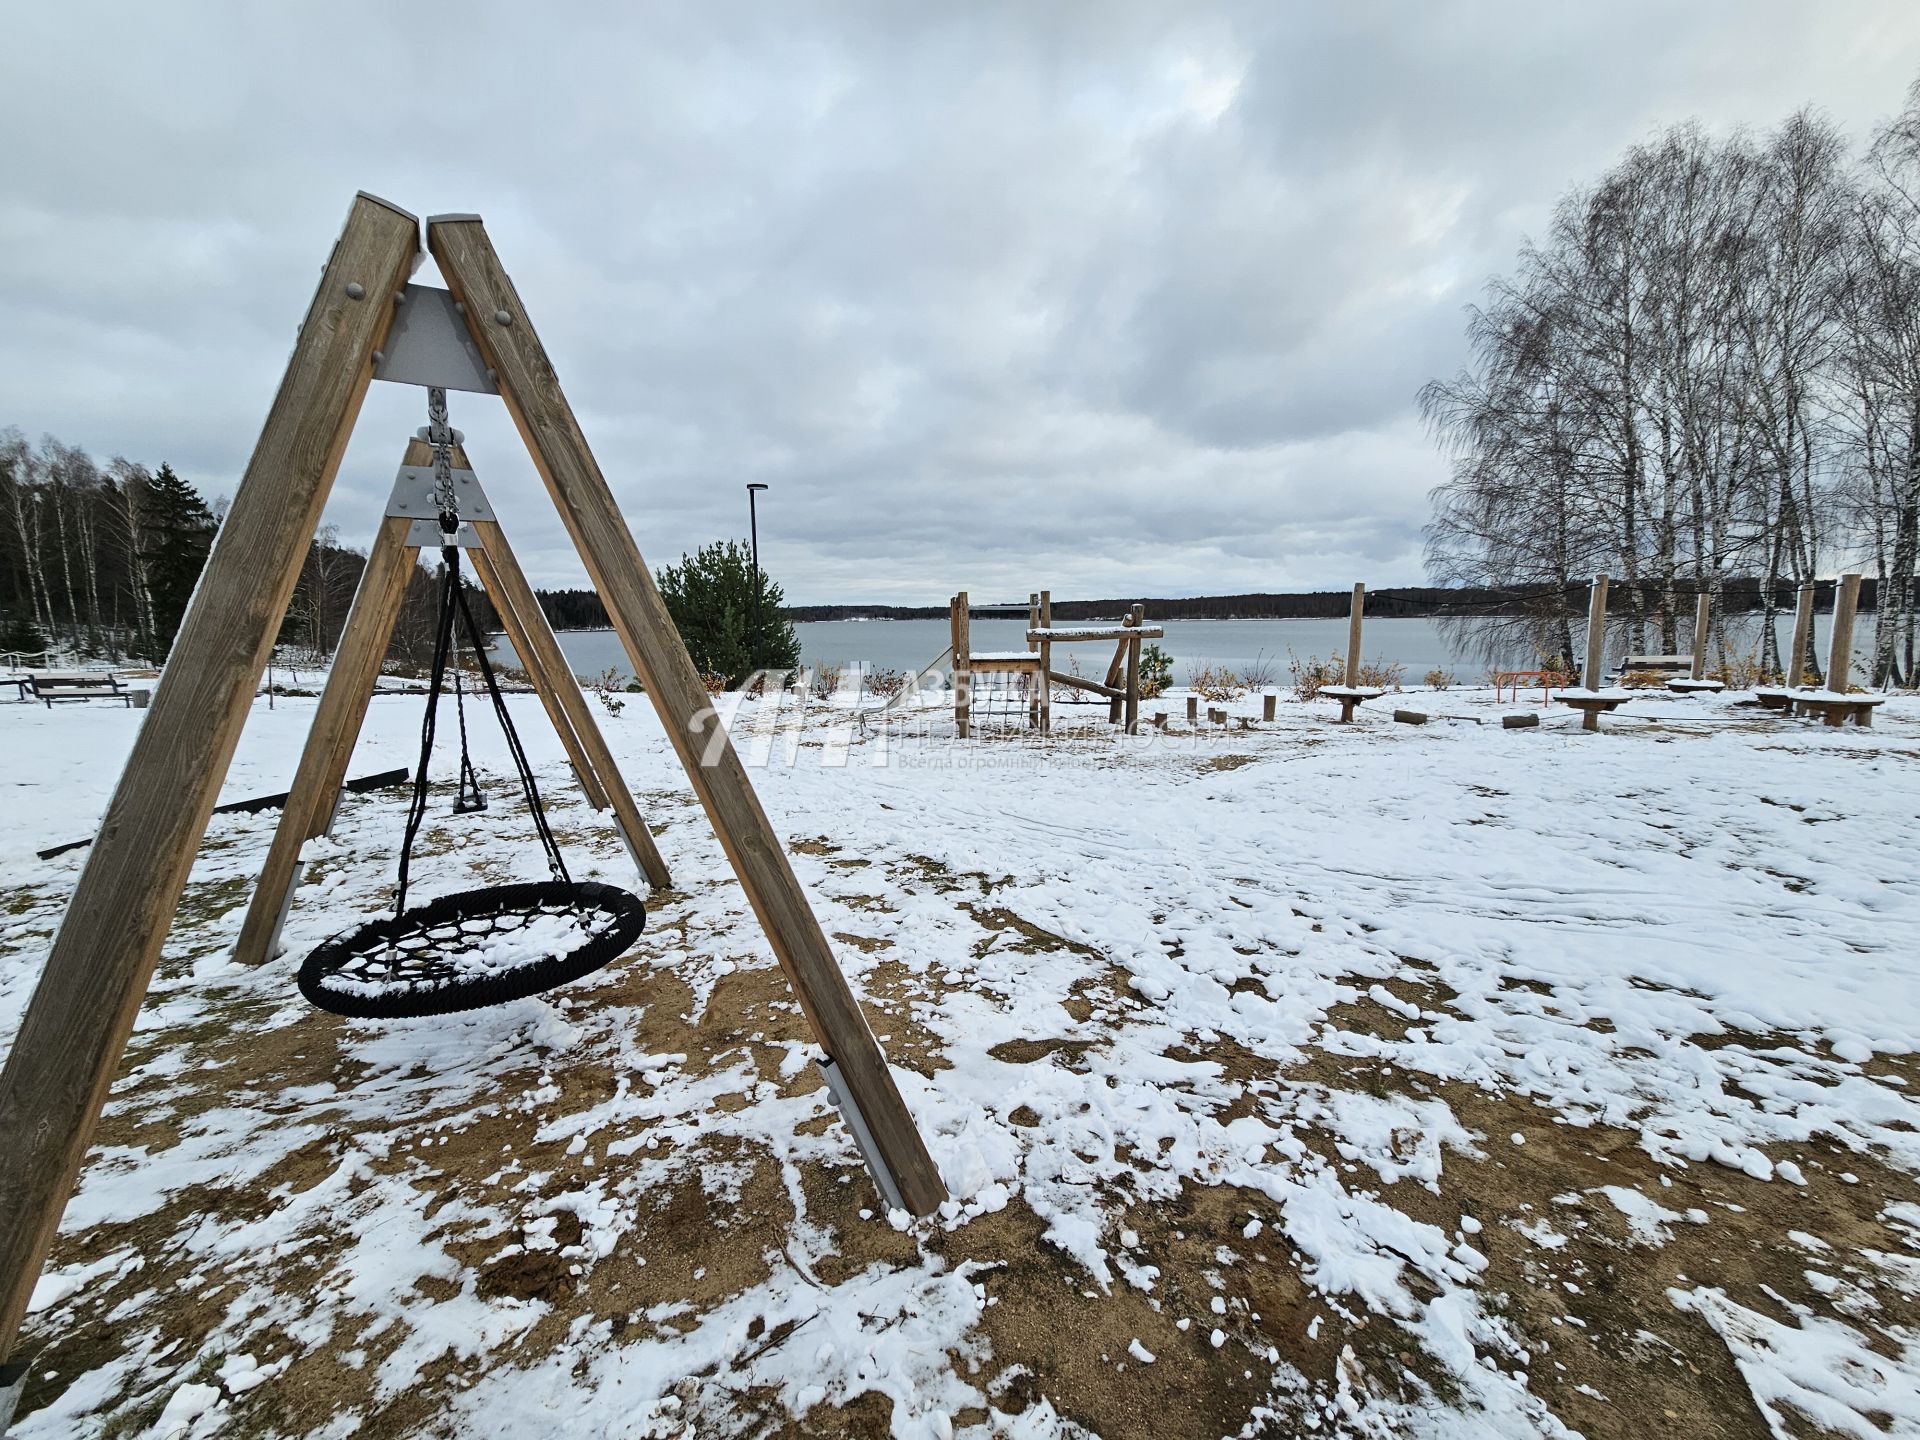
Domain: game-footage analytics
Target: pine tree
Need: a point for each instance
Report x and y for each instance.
(728, 631)
(19, 635)
(176, 531)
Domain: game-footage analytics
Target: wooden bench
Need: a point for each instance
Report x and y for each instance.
(1592, 704)
(1835, 708)
(1350, 696)
(1658, 664)
(50, 689)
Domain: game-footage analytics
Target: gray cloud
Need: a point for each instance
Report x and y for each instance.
(1120, 299)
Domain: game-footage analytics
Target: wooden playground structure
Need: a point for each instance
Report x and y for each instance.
(1029, 674)
(367, 322)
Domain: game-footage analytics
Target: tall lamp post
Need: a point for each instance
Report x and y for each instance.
(753, 525)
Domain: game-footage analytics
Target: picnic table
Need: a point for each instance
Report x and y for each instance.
(51, 688)
(1836, 707)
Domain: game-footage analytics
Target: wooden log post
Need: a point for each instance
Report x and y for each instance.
(1802, 636)
(315, 789)
(500, 572)
(539, 409)
(1702, 608)
(1116, 674)
(1033, 648)
(1596, 647)
(1193, 709)
(1355, 615)
(1135, 619)
(1846, 603)
(69, 1044)
(962, 666)
(1596, 634)
(1046, 664)
(1268, 702)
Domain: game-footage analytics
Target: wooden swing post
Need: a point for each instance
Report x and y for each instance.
(315, 791)
(533, 663)
(69, 1044)
(500, 572)
(546, 422)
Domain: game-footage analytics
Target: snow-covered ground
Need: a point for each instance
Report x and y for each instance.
(1290, 1079)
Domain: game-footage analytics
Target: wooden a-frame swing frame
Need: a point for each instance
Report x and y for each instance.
(69, 1044)
(315, 791)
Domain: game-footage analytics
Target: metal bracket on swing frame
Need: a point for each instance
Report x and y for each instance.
(856, 1121)
(429, 344)
(413, 499)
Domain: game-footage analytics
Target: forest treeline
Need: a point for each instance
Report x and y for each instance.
(582, 610)
(99, 560)
(1706, 374)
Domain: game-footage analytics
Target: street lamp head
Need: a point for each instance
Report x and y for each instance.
(755, 485)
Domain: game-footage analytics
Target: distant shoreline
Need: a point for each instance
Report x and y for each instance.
(1396, 602)
(1403, 602)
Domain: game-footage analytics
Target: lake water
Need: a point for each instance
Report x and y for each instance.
(1240, 645)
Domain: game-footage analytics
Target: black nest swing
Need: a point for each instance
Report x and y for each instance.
(478, 947)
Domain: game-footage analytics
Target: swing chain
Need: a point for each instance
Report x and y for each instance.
(440, 436)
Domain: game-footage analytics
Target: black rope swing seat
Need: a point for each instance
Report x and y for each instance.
(477, 947)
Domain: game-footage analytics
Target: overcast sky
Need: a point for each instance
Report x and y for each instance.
(1118, 299)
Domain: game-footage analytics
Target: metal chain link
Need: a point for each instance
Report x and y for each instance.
(440, 436)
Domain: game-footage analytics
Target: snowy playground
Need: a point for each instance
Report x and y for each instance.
(1289, 1079)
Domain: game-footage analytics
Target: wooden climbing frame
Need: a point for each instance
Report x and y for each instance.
(1121, 688)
